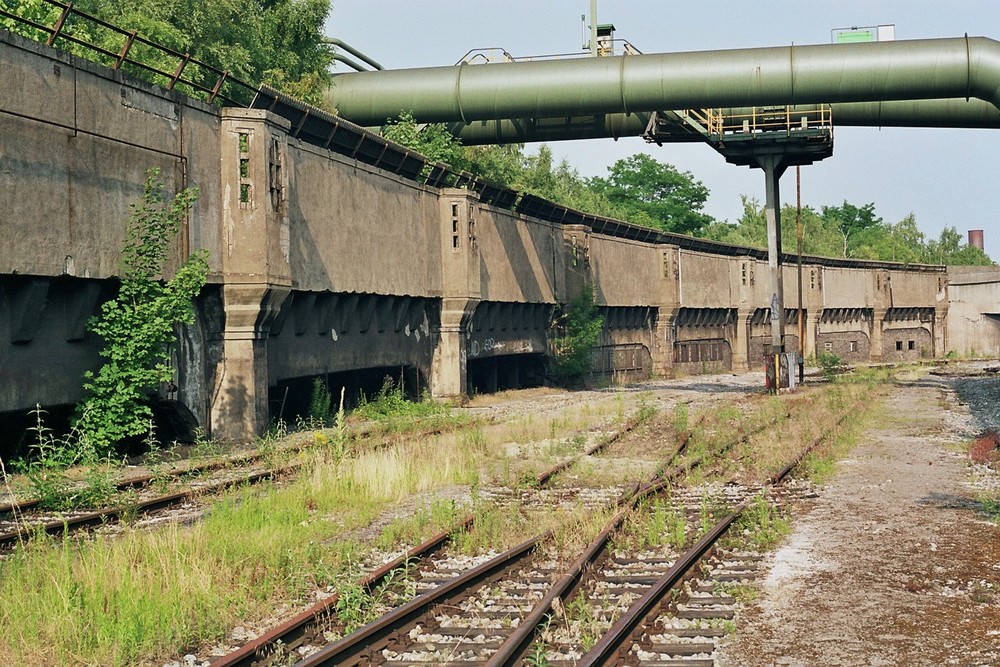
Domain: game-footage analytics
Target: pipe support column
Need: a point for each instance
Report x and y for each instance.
(773, 169)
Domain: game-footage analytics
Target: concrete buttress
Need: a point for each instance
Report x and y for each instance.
(460, 270)
(255, 266)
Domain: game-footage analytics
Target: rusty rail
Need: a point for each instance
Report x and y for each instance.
(25, 530)
(606, 649)
(291, 630)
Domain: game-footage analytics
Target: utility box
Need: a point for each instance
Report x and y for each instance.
(786, 378)
(606, 39)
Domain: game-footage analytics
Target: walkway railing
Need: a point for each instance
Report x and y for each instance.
(91, 37)
(768, 119)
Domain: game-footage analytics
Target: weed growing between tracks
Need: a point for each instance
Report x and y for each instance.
(146, 595)
(834, 414)
(759, 527)
(655, 522)
(149, 595)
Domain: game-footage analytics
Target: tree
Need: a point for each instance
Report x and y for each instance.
(850, 220)
(279, 42)
(749, 230)
(138, 325)
(504, 164)
(579, 328)
(432, 140)
(948, 249)
(655, 193)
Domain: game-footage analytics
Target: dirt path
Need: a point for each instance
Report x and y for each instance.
(890, 565)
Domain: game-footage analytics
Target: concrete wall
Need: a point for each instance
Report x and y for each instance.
(76, 141)
(321, 263)
(974, 310)
(345, 216)
(521, 260)
(622, 270)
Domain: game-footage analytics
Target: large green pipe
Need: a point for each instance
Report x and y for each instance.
(830, 73)
(953, 113)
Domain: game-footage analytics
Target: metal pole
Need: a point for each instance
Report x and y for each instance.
(773, 168)
(593, 27)
(798, 239)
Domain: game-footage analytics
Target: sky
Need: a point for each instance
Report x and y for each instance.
(945, 178)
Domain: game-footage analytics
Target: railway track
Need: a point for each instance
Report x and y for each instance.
(24, 525)
(493, 613)
(680, 616)
(301, 632)
(21, 520)
(303, 629)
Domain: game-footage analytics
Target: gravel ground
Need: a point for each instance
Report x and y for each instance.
(889, 566)
(981, 393)
(892, 564)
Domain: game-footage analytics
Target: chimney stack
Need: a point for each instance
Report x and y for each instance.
(976, 238)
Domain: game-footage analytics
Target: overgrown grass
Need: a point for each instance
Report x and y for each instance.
(990, 507)
(658, 522)
(819, 413)
(758, 527)
(150, 595)
(427, 520)
(498, 528)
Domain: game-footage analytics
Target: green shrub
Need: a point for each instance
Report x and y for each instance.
(138, 325)
(829, 363)
(579, 328)
(320, 403)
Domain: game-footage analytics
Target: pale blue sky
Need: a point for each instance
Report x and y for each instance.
(944, 177)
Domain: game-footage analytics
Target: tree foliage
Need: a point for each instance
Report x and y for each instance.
(850, 231)
(433, 140)
(655, 194)
(138, 325)
(279, 42)
(851, 220)
(578, 328)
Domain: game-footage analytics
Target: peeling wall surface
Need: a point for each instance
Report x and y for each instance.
(322, 262)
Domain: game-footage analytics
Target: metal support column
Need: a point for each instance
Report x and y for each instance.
(774, 167)
(798, 252)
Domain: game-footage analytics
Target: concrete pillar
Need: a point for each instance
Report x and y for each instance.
(449, 371)
(460, 273)
(878, 322)
(741, 341)
(812, 331)
(576, 242)
(939, 330)
(667, 302)
(662, 351)
(239, 407)
(256, 274)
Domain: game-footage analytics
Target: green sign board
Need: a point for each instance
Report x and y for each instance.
(855, 35)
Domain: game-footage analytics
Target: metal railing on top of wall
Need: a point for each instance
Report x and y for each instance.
(136, 54)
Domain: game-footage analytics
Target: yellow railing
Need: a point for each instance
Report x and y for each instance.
(759, 120)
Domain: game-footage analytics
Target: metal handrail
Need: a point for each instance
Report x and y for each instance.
(764, 119)
(122, 57)
(494, 54)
